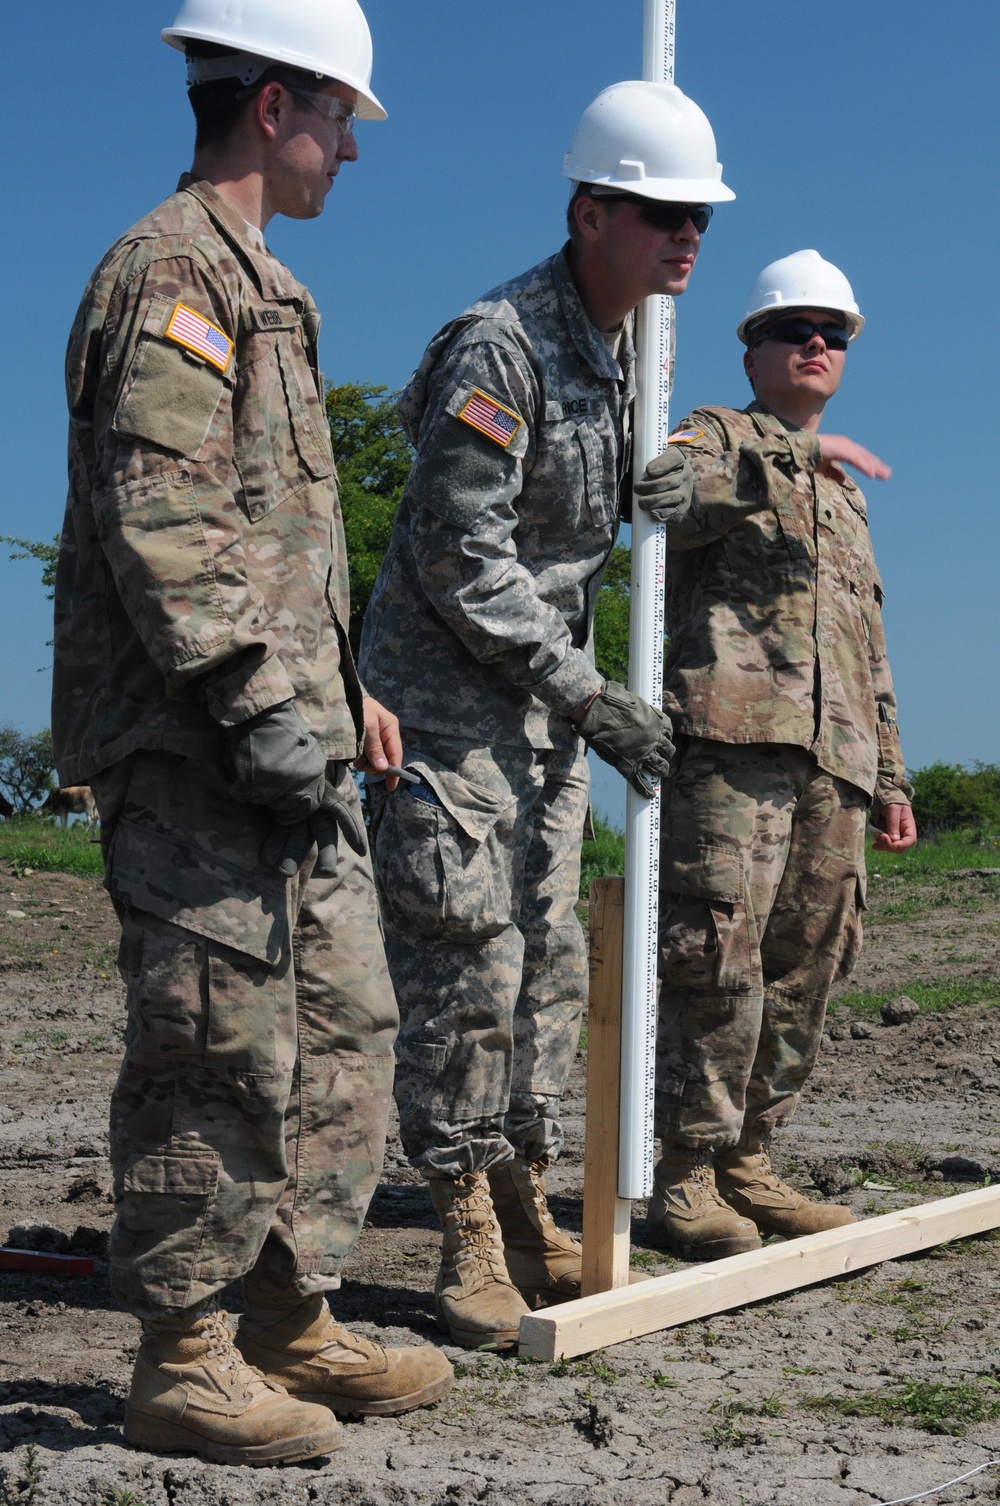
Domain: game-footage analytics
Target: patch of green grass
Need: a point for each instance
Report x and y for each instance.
(934, 1406)
(788, 1370)
(33, 842)
(605, 854)
(936, 855)
(932, 997)
(122, 1497)
(594, 1365)
(662, 1382)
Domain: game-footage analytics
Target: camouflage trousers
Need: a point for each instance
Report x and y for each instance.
(762, 887)
(249, 1117)
(478, 872)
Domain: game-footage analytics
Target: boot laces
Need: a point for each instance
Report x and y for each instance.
(536, 1176)
(217, 1329)
(482, 1234)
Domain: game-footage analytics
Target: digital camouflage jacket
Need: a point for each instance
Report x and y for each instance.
(774, 605)
(480, 621)
(202, 574)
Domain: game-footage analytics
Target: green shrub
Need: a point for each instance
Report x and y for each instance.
(605, 854)
(948, 797)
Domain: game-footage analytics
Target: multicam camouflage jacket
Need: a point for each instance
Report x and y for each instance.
(202, 574)
(774, 604)
(480, 622)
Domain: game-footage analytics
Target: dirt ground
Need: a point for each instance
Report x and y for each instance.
(868, 1389)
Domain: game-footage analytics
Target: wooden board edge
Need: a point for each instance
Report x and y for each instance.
(590, 1323)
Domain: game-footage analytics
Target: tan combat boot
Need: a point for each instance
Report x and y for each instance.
(687, 1217)
(316, 1360)
(476, 1300)
(192, 1391)
(543, 1261)
(750, 1186)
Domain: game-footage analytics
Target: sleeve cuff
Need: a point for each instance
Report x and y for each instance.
(248, 689)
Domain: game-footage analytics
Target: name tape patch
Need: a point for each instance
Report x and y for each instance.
(490, 418)
(202, 338)
(685, 436)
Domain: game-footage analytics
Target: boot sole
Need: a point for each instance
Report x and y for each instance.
(161, 1436)
(353, 1406)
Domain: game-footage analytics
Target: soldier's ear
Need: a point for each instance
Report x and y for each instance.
(749, 364)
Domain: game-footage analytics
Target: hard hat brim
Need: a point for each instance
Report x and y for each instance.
(853, 323)
(666, 190)
(369, 108)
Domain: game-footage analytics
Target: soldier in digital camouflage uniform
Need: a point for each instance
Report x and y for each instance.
(777, 680)
(479, 636)
(205, 690)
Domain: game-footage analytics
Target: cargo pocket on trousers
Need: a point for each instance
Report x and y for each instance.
(166, 1196)
(201, 955)
(443, 869)
(704, 927)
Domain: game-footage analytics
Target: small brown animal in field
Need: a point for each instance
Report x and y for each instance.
(71, 800)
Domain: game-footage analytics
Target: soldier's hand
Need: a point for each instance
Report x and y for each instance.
(287, 847)
(837, 450)
(667, 486)
(278, 763)
(382, 745)
(630, 734)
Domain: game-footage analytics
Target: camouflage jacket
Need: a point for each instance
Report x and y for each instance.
(774, 605)
(480, 621)
(202, 575)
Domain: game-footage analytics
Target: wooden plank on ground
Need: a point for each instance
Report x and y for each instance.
(606, 1216)
(612, 1317)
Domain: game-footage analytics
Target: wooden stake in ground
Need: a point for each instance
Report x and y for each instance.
(606, 1216)
(612, 1317)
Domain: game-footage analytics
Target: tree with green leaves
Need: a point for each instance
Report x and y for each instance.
(26, 767)
(373, 461)
(47, 554)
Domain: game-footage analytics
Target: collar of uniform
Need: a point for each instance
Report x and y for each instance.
(769, 422)
(272, 277)
(588, 340)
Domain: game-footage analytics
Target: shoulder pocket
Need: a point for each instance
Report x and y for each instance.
(168, 399)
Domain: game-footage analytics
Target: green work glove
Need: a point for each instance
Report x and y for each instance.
(667, 487)
(280, 765)
(630, 734)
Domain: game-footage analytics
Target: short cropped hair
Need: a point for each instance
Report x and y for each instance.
(220, 105)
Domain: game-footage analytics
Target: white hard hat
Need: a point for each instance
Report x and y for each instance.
(647, 139)
(802, 281)
(327, 37)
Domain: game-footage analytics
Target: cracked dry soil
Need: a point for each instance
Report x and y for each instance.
(722, 1410)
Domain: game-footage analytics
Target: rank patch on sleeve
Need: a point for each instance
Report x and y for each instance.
(199, 336)
(685, 436)
(490, 418)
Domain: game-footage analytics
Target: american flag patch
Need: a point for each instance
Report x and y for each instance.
(196, 334)
(685, 436)
(490, 418)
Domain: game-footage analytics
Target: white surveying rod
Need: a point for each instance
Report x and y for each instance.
(654, 379)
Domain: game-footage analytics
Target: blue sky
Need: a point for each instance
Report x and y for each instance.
(868, 129)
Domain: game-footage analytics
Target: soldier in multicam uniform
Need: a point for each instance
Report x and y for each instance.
(776, 678)
(479, 637)
(205, 690)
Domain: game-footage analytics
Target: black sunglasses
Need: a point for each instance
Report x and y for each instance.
(801, 331)
(663, 216)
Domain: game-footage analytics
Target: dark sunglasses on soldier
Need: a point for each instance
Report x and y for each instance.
(801, 331)
(661, 215)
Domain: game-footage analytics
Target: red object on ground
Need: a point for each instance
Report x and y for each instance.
(41, 1260)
